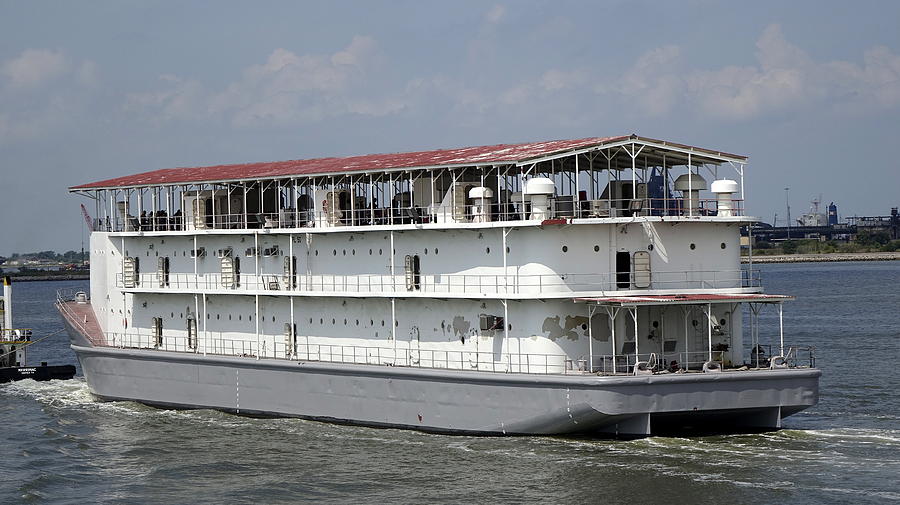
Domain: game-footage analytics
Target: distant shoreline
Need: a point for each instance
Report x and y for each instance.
(828, 257)
(35, 278)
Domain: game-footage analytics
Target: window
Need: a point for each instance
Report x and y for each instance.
(623, 270)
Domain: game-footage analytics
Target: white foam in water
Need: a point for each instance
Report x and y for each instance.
(857, 435)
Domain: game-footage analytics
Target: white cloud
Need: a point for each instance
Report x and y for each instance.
(42, 91)
(495, 14)
(286, 88)
(784, 78)
(33, 67)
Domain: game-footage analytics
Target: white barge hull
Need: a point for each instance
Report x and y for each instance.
(451, 400)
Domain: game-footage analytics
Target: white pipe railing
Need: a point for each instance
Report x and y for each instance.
(560, 207)
(411, 355)
(446, 283)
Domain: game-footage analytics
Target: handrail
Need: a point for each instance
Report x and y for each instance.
(510, 284)
(509, 211)
(64, 296)
(412, 355)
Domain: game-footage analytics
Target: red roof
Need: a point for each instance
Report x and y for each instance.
(466, 156)
(686, 299)
(501, 153)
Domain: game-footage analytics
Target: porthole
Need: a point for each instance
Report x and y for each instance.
(357, 322)
(207, 316)
(334, 252)
(345, 321)
(273, 319)
(353, 252)
(371, 322)
(229, 317)
(172, 314)
(249, 318)
(426, 251)
(239, 317)
(370, 252)
(596, 248)
(583, 326)
(217, 316)
(565, 248)
(379, 252)
(317, 252)
(382, 322)
(344, 252)
(722, 245)
(321, 321)
(510, 326)
(332, 320)
(435, 250)
(487, 250)
(649, 247)
(310, 320)
(396, 324)
(693, 246)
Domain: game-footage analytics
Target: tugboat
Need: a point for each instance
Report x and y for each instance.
(13, 347)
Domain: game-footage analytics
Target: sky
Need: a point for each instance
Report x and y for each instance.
(809, 90)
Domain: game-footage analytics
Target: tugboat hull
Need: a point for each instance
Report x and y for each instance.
(38, 373)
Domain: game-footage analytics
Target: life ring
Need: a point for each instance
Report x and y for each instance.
(712, 367)
(778, 362)
(642, 368)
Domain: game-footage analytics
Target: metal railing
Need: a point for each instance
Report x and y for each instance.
(499, 284)
(560, 207)
(67, 296)
(766, 356)
(408, 354)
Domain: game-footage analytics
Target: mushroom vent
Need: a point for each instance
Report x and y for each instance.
(690, 182)
(539, 186)
(724, 186)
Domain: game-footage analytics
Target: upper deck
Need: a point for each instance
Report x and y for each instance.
(605, 178)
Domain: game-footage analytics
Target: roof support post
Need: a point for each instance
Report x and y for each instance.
(637, 349)
(576, 198)
(244, 207)
(781, 328)
(256, 320)
(709, 326)
(690, 186)
(665, 186)
(612, 312)
(371, 199)
(686, 309)
(591, 338)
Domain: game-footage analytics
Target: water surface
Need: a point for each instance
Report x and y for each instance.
(62, 446)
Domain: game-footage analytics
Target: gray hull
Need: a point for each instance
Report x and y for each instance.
(449, 400)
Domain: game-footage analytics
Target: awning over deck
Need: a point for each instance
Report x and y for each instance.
(685, 299)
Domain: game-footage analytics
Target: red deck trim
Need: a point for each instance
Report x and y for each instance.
(84, 318)
(685, 299)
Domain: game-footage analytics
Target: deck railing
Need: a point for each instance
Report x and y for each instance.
(408, 354)
(498, 284)
(562, 207)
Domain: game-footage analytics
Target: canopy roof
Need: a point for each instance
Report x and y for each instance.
(687, 299)
(501, 154)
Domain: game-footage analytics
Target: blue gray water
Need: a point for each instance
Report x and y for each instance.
(59, 445)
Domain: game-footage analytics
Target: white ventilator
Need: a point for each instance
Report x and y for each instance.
(539, 190)
(690, 186)
(481, 204)
(724, 190)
